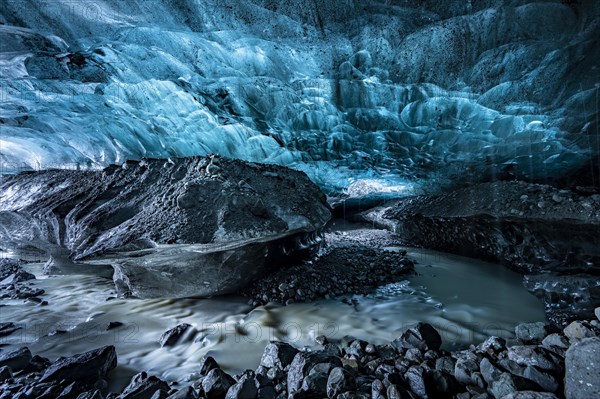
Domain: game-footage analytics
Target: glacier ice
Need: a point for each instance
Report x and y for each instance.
(379, 95)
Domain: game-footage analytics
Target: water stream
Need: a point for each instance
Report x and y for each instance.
(467, 300)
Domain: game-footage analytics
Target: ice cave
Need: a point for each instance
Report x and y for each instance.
(343, 199)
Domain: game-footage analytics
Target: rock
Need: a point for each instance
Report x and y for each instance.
(278, 354)
(113, 324)
(556, 340)
(17, 277)
(17, 359)
(143, 386)
(126, 216)
(301, 365)
(578, 330)
(172, 336)
(393, 392)
(37, 364)
(267, 392)
(597, 313)
(161, 395)
(531, 333)
(315, 383)
(502, 386)
(184, 393)
(7, 329)
(207, 364)
(95, 394)
(582, 374)
(530, 395)
(339, 380)
(541, 377)
(216, 384)
(489, 371)
(245, 388)
(5, 373)
(419, 382)
(423, 337)
(463, 370)
(493, 345)
(9, 266)
(533, 356)
(445, 364)
(87, 367)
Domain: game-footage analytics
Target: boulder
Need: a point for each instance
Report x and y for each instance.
(582, 374)
(278, 354)
(172, 336)
(217, 383)
(339, 381)
(17, 359)
(423, 337)
(245, 388)
(301, 365)
(531, 333)
(8, 328)
(143, 386)
(87, 367)
(195, 226)
(578, 330)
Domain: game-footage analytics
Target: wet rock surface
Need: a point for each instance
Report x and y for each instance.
(552, 235)
(355, 369)
(153, 220)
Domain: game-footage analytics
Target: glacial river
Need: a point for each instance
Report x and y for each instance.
(465, 299)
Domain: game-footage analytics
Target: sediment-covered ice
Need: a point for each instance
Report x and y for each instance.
(347, 91)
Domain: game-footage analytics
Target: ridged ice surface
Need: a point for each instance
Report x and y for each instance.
(348, 91)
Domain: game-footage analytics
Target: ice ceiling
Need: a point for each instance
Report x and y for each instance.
(362, 95)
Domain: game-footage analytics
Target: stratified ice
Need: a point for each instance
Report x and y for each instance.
(379, 94)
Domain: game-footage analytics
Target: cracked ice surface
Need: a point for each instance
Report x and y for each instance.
(364, 96)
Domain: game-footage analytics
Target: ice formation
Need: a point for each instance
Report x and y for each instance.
(401, 94)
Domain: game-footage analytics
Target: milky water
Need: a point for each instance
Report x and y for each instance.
(465, 299)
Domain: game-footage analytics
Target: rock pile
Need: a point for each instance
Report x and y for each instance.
(543, 366)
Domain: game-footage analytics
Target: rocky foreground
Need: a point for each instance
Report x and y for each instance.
(542, 365)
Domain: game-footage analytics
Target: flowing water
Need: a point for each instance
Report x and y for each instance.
(467, 300)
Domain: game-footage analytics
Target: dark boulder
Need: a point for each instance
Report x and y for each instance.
(143, 386)
(339, 380)
(87, 367)
(582, 374)
(423, 337)
(17, 359)
(278, 354)
(172, 336)
(216, 384)
(301, 365)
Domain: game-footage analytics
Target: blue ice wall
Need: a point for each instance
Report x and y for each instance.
(389, 96)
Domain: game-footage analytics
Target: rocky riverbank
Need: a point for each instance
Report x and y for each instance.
(549, 234)
(539, 364)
